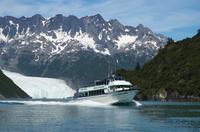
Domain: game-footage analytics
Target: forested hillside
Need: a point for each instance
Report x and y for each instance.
(174, 72)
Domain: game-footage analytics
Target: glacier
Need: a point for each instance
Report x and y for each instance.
(39, 87)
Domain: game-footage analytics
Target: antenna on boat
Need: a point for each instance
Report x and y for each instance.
(112, 67)
(116, 62)
(109, 69)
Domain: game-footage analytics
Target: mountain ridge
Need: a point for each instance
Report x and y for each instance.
(30, 45)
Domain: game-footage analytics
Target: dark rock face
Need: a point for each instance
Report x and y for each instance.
(73, 48)
(10, 90)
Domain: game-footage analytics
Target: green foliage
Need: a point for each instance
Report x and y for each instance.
(8, 89)
(176, 70)
(137, 66)
(170, 40)
(198, 31)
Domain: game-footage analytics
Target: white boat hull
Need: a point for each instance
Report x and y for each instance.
(112, 98)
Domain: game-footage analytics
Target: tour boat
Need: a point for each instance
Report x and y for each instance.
(112, 90)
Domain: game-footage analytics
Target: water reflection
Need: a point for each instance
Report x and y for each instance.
(59, 118)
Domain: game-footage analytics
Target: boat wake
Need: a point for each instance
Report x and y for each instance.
(54, 102)
(137, 103)
(88, 103)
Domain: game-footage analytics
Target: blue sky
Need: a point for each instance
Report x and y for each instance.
(174, 18)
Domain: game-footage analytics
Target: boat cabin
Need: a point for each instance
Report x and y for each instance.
(109, 85)
(107, 80)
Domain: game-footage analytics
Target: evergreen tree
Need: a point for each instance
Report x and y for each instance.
(137, 66)
(198, 31)
(170, 40)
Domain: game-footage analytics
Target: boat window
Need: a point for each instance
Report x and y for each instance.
(118, 78)
(121, 87)
(102, 82)
(96, 92)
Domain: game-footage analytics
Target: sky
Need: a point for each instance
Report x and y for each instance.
(177, 19)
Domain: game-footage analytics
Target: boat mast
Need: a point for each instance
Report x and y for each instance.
(112, 70)
(116, 62)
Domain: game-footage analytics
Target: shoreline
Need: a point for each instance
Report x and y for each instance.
(172, 100)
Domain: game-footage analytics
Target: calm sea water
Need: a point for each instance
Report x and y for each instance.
(59, 116)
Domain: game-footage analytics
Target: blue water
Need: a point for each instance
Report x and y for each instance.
(26, 116)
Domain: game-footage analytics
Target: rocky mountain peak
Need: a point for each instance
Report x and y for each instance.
(41, 41)
(38, 17)
(140, 26)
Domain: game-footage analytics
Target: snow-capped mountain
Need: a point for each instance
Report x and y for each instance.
(55, 46)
